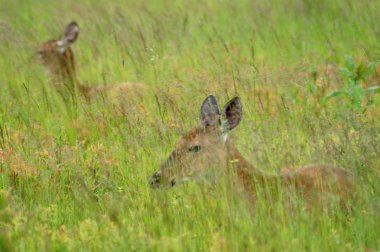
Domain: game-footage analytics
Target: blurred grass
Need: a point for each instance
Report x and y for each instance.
(80, 182)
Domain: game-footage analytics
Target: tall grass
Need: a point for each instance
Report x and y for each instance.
(78, 181)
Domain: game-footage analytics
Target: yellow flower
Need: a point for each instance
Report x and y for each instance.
(234, 161)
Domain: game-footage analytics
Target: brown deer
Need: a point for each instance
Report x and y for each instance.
(58, 56)
(207, 150)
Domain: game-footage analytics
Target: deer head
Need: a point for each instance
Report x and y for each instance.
(202, 150)
(57, 55)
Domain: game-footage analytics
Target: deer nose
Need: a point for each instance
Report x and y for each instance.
(40, 53)
(172, 182)
(154, 180)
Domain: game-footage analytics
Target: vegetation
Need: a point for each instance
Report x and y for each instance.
(74, 177)
(354, 73)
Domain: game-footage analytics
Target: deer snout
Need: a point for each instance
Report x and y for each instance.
(155, 180)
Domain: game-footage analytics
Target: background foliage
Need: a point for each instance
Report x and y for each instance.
(78, 181)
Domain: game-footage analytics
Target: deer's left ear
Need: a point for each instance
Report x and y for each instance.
(71, 32)
(69, 36)
(231, 114)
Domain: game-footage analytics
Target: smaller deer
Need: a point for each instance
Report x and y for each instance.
(58, 57)
(207, 150)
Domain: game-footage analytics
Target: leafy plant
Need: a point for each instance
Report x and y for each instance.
(354, 73)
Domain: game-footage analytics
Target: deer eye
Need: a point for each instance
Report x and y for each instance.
(41, 53)
(195, 148)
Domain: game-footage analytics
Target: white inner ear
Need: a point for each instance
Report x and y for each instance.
(75, 30)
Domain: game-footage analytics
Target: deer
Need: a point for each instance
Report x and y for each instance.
(58, 57)
(207, 149)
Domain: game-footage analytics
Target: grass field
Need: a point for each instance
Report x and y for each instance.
(75, 178)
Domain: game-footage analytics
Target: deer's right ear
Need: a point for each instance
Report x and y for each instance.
(71, 32)
(231, 114)
(209, 111)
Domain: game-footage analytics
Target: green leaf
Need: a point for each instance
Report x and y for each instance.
(350, 63)
(312, 87)
(346, 73)
(351, 83)
(333, 94)
(372, 67)
(356, 94)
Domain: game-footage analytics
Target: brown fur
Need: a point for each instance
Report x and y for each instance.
(312, 182)
(61, 65)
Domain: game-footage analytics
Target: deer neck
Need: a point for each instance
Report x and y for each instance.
(68, 74)
(67, 71)
(250, 176)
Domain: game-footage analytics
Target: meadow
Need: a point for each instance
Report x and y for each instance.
(75, 177)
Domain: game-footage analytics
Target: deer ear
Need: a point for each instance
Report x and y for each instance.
(231, 114)
(71, 32)
(209, 111)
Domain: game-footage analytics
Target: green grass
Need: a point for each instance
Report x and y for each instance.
(78, 181)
